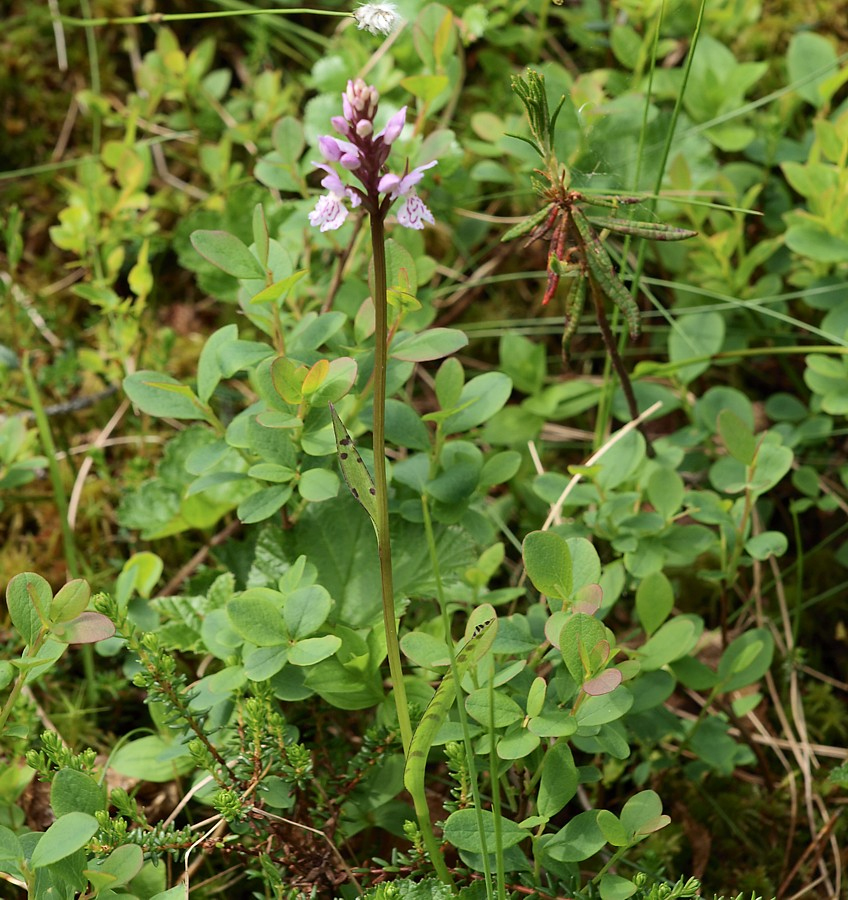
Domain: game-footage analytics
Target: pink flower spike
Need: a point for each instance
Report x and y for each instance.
(400, 187)
(329, 213)
(330, 148)
(340, 151)
(393, 127)
(341, 125)
(413, 213)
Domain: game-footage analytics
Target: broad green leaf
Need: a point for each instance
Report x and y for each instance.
(449, 382)
(462, 831)
(122, 865)
(665, 492)
(434, 343)
(152, 758)
(674, 640)
(175, 893)
(654, 600)
(766, 544)
(577, 639)
(264, 662)
(578, 840)
(500, 468)
(160, 395)
(259, 506)
(479, 400)
(86, 628)
(33, 665)
(605, 683)
(142, 571)
(275, 291)
(228, 253)
(313, 331)
(559, 780)
(257, 620)
(317, 485)
(65, 836)
(26, 594)
(456, 483)
(261, 238)
(524, 361)
(337, 382)
(692, 336)
(208, 368)
(425, 650)
(717, 399)
(312, 650)
(817, 243)
(425, 87)
(746, 660)
(70, 601)
(315, 377)
(640, 811)
(74, 791)
(771, 465)
(737, 436)
(614, 887)
(585, 567)
(305, 610)
(404, 427)
(612, 828)
(288, 140)
(236, 356)
(620, 461)
(271, 472)
(503, 708)
(553, 725)
(10, 846)
(517, 744)
(536, 696)
(809, 53)
(548, 563)
(605, 708)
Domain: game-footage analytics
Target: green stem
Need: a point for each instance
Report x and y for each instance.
(61, 499)
(156, 18)
(463, 717)
(20, 681)
(49, 446)
(384, 547)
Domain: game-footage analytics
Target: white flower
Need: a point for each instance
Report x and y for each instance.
(378, 18)
(412, 213)
(330, 212)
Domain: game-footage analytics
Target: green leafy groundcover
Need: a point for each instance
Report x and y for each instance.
(499, 555)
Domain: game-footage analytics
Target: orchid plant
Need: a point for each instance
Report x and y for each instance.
(363, 153)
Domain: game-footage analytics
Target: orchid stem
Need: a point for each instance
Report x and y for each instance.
(384, 547)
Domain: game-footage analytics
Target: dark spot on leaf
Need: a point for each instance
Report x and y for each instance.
(355, 493)
(343, 456)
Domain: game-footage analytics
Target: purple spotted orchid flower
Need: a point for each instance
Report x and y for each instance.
(364, 154)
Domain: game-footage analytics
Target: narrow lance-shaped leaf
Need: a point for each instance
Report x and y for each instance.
(355, 473)
(438, 708)
(602, 271)
(573, 310)
(528, 224)
(653, 231)
(611, 202)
